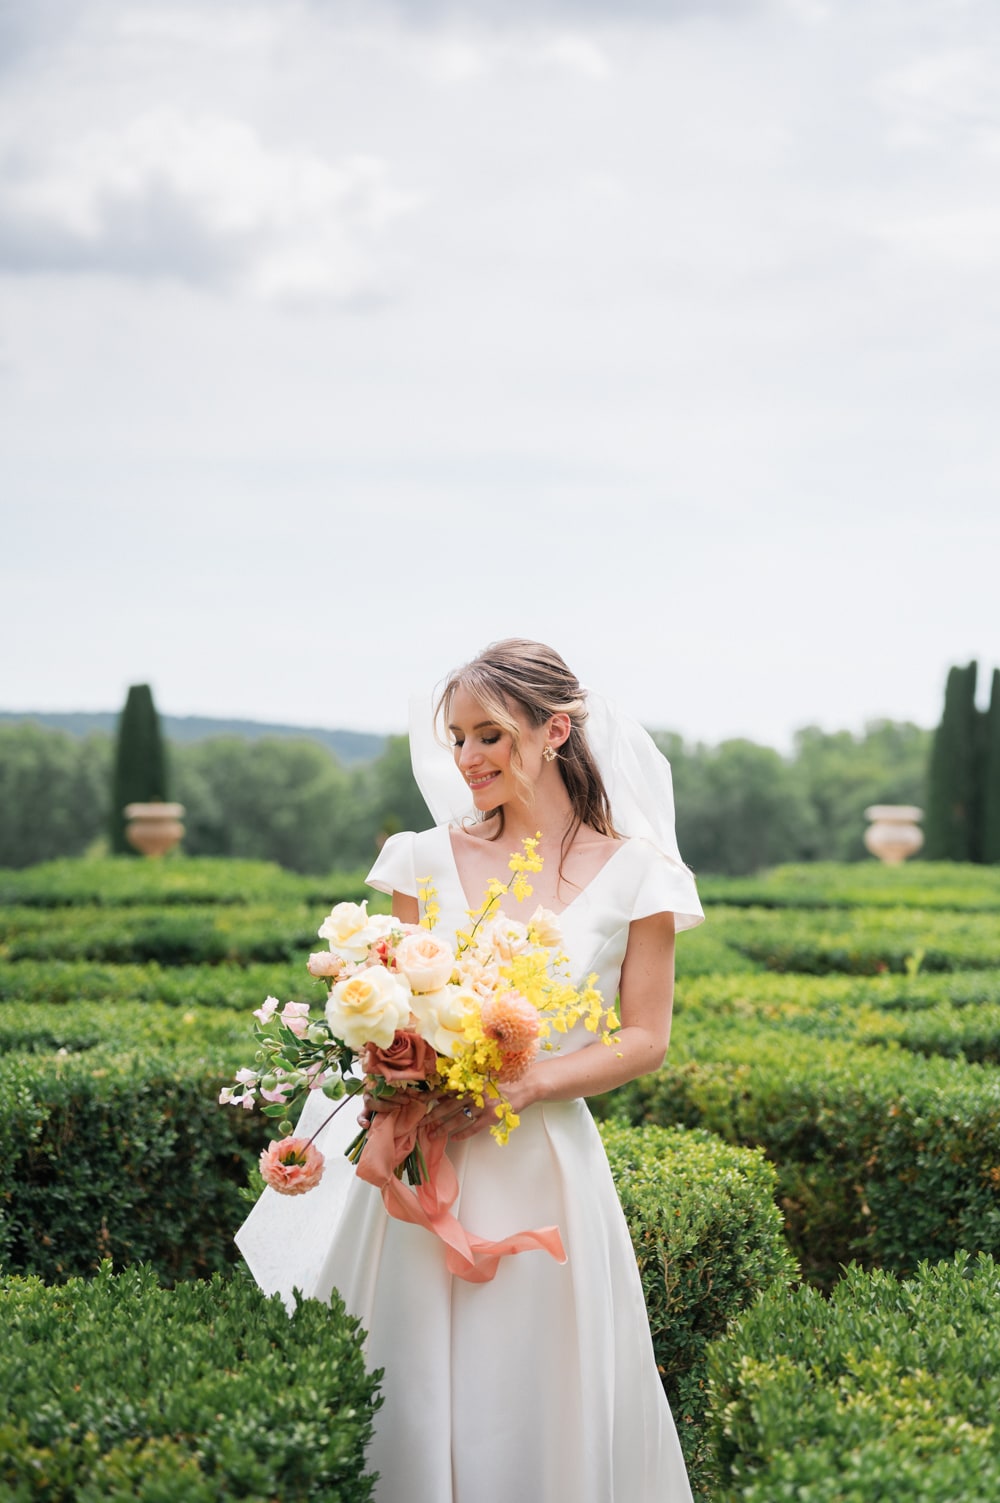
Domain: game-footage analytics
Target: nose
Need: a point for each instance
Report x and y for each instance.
(468, 755)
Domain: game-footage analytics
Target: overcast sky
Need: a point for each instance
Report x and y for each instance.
(338, 340)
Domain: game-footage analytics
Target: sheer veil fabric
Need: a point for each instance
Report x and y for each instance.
(543, 1383)
(636, 775)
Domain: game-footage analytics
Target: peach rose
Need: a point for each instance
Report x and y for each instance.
(408, 1057)
(505, 937)
(425, 961)
(292, 1166)
(543, 928)
(325, 963)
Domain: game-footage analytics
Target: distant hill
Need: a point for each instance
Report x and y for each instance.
(347, 746)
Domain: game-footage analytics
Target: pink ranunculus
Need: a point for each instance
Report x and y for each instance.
(408, 1057)
(295, 1016)
(325, 963)
(292, 1166)
(266, 1010)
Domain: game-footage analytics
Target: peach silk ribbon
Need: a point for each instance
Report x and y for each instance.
(391, 1137)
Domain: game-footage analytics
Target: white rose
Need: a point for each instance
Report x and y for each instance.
(426, 962)
(543, 928)
(505, 937)
(343, 927)
(442, 1015)
(368, 1007)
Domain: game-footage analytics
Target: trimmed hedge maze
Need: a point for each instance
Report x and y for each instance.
(832, 1094)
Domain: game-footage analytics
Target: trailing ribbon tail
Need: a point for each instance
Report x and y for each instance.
(391, 1137)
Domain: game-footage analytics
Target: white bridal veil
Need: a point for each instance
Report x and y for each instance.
(636, 775)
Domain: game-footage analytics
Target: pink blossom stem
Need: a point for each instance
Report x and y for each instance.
(342, 1102)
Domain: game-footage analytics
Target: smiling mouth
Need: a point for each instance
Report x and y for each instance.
(481, 782)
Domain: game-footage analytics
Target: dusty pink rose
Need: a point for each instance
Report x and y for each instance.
(324, 963)
(295, 1015)
(265, 1012)
(292, 1166)
(510, 1021)
(408, 1057)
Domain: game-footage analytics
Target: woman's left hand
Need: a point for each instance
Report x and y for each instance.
(459, 1116)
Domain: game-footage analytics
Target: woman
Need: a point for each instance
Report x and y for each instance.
(540, 1383)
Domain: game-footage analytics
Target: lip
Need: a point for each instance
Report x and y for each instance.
(475, 783)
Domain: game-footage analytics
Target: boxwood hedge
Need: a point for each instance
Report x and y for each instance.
(707, 1237)
(115, 1388)
(887, 1391)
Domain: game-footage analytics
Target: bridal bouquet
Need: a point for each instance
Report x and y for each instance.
(410, 1018)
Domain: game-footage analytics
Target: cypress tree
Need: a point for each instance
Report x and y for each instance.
(952, 795)
(991, 776)
(140, 770)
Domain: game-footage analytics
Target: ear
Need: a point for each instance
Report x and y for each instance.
(558, 729)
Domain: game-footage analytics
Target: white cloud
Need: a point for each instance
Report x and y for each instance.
(934, 97)
(202, 200)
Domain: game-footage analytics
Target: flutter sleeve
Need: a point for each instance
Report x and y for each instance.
(666, 886)
(395, 869)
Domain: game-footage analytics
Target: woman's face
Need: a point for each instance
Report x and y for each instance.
(482, 751)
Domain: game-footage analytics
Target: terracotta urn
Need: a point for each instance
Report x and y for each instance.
(154, 829)
(893, 833)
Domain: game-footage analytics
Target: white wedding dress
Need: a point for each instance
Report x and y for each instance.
(541, 1384)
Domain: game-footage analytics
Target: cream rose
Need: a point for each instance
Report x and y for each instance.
(442, 1015)
(368, 1007)
(352, 931)
(425, 961)
(543, 928)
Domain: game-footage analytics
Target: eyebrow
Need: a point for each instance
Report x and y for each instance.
(480, 727)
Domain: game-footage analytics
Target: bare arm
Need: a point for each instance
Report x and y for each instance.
(405, 908)
(640, 1045)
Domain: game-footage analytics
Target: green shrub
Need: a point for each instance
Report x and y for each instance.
(887, 1391)
(112, 882)
(127, 1156)
(860, 942)
(707, 1237)
(118, 1389)
(881, 1154)
(237, 987)
(865, 884)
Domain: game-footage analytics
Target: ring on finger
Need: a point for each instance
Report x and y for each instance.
(468, 1112)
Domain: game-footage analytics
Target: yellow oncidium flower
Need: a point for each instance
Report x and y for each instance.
(536, 974)
(427, 895)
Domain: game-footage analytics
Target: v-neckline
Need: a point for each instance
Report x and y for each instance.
(564, 910)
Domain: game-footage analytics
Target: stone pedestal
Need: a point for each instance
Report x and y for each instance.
(893, 833)
(154, 829)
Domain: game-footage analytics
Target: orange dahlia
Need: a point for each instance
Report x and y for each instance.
(510, 1021)
(517, 1063)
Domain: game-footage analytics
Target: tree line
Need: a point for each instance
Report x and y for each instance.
(740, 806)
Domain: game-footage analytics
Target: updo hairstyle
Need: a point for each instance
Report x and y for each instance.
(535, 679)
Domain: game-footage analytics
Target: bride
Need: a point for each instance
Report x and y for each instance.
(541, 1382)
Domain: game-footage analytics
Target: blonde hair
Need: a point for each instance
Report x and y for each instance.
(535, 679)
